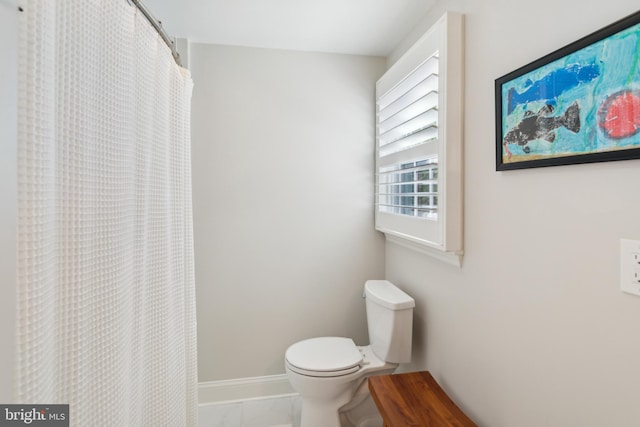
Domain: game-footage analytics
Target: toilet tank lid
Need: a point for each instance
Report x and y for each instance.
(388, 295)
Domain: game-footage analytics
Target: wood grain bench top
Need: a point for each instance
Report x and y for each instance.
(415, 399)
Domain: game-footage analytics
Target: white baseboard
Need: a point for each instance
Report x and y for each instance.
(242, 389)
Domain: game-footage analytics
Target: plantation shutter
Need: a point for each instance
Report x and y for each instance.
(419, 143)
(407, 144)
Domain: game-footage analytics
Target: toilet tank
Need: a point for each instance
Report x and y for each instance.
(389, 320)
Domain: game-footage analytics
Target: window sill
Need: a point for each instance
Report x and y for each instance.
(427, 248)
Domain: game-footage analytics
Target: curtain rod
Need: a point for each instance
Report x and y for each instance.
(158, 27)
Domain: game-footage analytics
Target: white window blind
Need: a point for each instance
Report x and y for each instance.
(419, 141)
(407, 135)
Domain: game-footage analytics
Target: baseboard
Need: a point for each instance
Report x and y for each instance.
(242, 389)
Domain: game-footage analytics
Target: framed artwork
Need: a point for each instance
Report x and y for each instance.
(578, 104)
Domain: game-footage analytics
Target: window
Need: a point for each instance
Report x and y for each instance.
(410, 188)
(419, 144)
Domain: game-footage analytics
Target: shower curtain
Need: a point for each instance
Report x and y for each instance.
(106, 297)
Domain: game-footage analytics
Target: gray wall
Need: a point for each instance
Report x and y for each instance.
(8, 191)
(533, 330)
(283, 151)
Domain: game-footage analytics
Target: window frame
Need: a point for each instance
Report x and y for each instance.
(441, 238)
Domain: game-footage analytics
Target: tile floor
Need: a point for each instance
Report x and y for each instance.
(283, 411)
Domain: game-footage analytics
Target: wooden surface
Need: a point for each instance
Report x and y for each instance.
(415, 399)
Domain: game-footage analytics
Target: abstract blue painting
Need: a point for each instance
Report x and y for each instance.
(579, 104)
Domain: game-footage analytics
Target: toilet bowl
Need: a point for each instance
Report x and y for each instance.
(330, 373)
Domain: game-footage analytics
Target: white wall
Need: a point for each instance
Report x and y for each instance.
(283, 147)
(8, 188)
(533, 330)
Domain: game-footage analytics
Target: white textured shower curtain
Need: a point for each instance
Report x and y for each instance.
(106, 298)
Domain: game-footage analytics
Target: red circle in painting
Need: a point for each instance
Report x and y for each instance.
(620, 117)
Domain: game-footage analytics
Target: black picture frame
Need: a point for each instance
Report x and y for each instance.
(578, 104)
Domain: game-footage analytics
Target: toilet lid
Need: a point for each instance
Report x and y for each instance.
(326, 354)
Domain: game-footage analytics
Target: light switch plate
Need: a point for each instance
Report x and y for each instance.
(630, 266)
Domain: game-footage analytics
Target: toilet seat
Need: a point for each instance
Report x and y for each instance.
(324, 357)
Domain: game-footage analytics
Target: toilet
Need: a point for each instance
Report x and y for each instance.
(330, 373)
